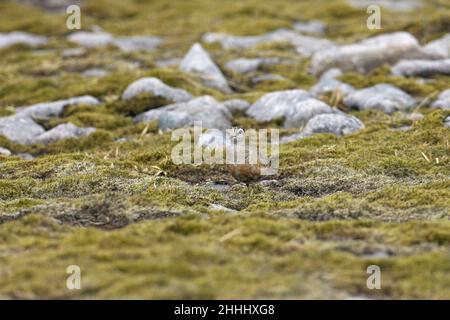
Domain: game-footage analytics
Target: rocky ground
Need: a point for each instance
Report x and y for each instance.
(86, 176)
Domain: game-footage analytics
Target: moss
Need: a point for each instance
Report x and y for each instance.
(141, 227)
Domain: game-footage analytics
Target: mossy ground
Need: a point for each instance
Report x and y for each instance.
(141, 227)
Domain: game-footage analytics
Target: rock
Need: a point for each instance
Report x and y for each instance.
(218, 207)
(329, 83)
(439, 48)
(20, 129)
(95, 72)
(136, 43)
(244, 65)
(55, 108)
(206, 109)
(305, 45)
(157, 88)
(91, 39)
(61, 132)
(416, 116)
(395, 5)
(299, 114)
(276, 105)
(73, 52)
(267, 77)
(198, 61)
(368, 54)
(443, 100)
(236, 105)
(383, 97)
(313, 26)
(447, 122)
(18, 37)
(99, 39)
(25, 156)
(4, 152)
(421, 68)
(338, 124)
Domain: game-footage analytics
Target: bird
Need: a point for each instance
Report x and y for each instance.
(243, 172)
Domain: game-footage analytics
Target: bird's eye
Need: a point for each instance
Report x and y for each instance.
(240, 131)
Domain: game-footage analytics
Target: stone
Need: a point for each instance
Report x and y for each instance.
(137, 43)
(170, 62)
(267, 77)
(95, 73)
(416, 116)
(299, 114)
(305, 45)
(276, 105)
(218, 207)
(61, 132)
(245, 65)
(369, 53)
(236, 105)
(20, 129)
(98, 39)
(91, 39)
(329, 83)
(157, 88)
(206, 109)
(25, 156)
(338, 124)
(19, 37)
(383, 97)
(73, 52)
(421, 68)
(439, 48)
(443, 100)
(4, 152)
(313, 27)
(55, 108)
(198, 62)
(447, 122)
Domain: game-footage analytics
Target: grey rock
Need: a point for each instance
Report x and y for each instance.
(95, 73)
(18, 37)
(267, 77)
(236, 105)
(4, 152)
(369, 53)
(20, 129)
(306, 45)
(157, 88)
(198, 62)
(421, 68)
(136, 43)
(244, 65)
(91, 39)
(299, 114)
(206, 109)
(276, 105)
(329, 83)
(338, 124)
(313, 26)
(25, 156)
(383, 97)
(55, 108)
(73, 52)
(61, 132)
(447, 122)
(416, 116)
(439, 48)
(443, 100)
(218, 207)
(395, 5)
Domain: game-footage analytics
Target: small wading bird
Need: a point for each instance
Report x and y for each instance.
(243, 172)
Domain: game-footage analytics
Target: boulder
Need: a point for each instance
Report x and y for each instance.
(439, 48)
(198, 62)
(383, 97)
(328, 82)
(368, 54)
(61, 132)
(18, 37)
(443, 100)
(157, 88)
(20, 129)
(421, 68)
(206, 109)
